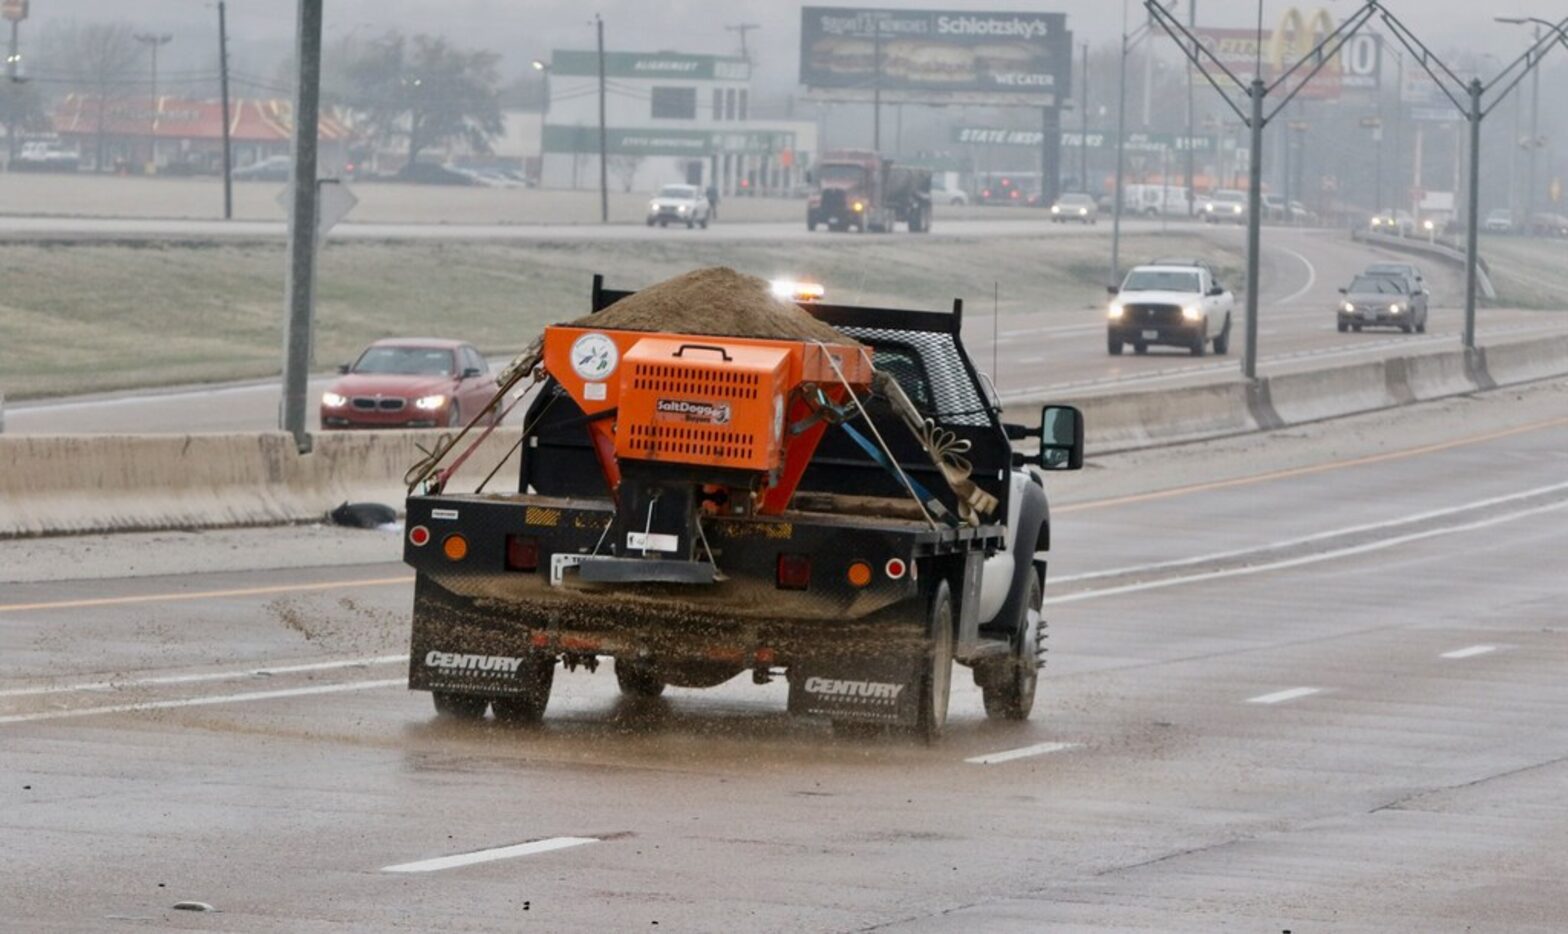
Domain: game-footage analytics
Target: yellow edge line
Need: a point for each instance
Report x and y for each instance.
(1311, 469)
(202, 594)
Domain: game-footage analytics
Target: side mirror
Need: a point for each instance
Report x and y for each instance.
(470, 372)
(1113, 289)
(1061, 438)
(1217, 290)
(1344, 291)
(344, 367)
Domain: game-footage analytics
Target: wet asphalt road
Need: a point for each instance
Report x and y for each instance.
(1035, 355)
(1343, 713)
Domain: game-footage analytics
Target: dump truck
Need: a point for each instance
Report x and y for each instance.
(846, 511)
(856, 189)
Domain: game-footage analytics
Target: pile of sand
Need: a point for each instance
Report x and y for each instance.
(717, 301)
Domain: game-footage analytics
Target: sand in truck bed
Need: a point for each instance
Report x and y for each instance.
(716, 301)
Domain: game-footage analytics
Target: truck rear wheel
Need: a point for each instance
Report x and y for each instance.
(637, 680)
(936, 679)
(1007, 685)
(460, 706)
(534, 678)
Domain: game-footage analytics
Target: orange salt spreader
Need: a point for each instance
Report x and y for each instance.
(686, 425)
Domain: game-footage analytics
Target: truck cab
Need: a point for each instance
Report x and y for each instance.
(1178, 303)
(861, 190)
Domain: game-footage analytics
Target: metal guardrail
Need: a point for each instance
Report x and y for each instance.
(1439, 250)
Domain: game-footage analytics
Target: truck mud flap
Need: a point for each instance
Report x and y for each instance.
(875, 690)
(455, 647)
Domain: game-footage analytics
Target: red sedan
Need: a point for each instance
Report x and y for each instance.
(409, 383)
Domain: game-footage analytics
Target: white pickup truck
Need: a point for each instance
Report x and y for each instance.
(1175, 302)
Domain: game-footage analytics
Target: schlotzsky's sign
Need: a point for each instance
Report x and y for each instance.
(852, 53)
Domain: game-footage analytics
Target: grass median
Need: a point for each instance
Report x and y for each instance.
(94, 317)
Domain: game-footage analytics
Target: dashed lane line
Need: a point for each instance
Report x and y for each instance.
(1022, 752)
(494, 853)
(1279, 697)
(1469, 651)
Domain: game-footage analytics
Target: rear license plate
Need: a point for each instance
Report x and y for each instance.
(1150, 335)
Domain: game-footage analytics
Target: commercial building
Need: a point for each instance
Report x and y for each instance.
(669, 117)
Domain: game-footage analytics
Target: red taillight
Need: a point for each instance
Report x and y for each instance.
(794, 572)
(522, 554)
(895, 568)
(419, 536)
(985, 192)
(1013, 193)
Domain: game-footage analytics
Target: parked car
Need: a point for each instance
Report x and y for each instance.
(1395, 223)
(1273, 207)
(1177, 305)
(1549, 225)
(680, 204)
(1299, 213)
(1076, 207)
(1500, 220)
(1382, 301)
(429, 173)
(955, 197)
(270, 169)
(1225, 205)
(409, 383)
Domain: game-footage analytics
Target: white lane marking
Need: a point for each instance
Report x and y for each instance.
(1279, 697)
(1316, 537)
(1023, 752)
(1312, 277)
(1469, 652)
(1378, 545)
(485, 856)
(204, 701)
(207, 676)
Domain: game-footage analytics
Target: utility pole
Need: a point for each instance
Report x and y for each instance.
(876, 90)
(154, 41)
(604, 147)
(1192, 201)
(302, 223)
(223, 89)
(13, 71)
(742, 29)
(1533, 142)
(1083, 123)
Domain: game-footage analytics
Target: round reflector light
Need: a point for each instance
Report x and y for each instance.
(419, 536)
(896, 568)
(859, 574)
(455, 547)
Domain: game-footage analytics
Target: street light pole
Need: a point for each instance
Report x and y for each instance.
(604, 164)
(544, 113)
(1472, 237)
(223, 88)
(1192, 202)
(303, 212)
(1249, 360)
(154, 41)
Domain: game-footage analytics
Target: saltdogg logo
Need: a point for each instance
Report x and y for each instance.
(869, 690)
(712, 413)
(1011, 27)
(457, 661)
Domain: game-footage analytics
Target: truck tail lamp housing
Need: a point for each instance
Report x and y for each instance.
(794, 572)
(455, 547)
(522, 553)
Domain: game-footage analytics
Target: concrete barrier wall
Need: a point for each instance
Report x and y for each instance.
(51, 484)
(93, 483)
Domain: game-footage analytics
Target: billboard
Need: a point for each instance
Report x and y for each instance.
(1073, 139)
(580, 63)
(935, 56)
(1293, 38)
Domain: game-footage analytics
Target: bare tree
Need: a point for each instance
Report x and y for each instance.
(99, 61)
(625, 169)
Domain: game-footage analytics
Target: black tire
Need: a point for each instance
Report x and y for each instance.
(703, 223)
(664, 223)
(1113, 344)
(1199, 345)
(637, 680)
(811, 225)
(454, 416)
(535, 677)
(1140, 348)
(460, 706)
(1407, 328)
(1421, 327)
(690, 223)
(936, 679)
(1222, 342)
(1344, 326)
(1356, 328)
(650, 222)
(1007, 685)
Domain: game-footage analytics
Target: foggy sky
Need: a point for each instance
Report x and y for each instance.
(261, 30)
